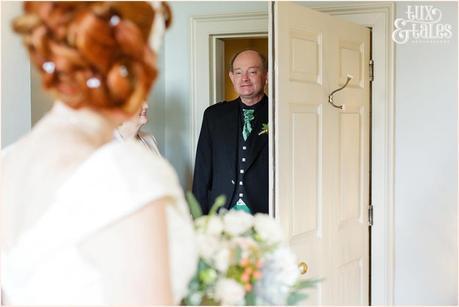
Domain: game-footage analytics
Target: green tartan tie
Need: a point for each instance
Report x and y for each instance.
(248, 117)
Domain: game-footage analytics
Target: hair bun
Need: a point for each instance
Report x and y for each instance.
(95, 40)
(142, 15)
(92, 54)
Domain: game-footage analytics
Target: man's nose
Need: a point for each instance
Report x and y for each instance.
(245, 76)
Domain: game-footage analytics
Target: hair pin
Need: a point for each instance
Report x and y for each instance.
(93, 83)
(123, 71)
(49, 67)
(114, 20)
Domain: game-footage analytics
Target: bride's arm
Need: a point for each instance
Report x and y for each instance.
(133, 255)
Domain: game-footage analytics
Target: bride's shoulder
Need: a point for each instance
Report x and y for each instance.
(131, 154)
(131, 164)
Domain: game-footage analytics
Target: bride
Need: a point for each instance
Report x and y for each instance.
(86, 220)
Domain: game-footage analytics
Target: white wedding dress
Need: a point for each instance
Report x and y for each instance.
(92, 184)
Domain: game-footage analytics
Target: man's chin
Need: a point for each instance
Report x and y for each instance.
(247, 94)
(251, 95)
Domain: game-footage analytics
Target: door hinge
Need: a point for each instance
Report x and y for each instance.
(370, 215)
(371, 73)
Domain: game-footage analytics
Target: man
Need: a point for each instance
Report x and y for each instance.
(232, 153)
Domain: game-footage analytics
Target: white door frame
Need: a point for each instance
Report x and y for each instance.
(379, 16)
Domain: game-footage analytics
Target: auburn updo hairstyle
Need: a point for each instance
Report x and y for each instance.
(93, 54)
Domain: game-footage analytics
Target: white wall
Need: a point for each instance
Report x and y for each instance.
(41, 100)
(177, 76)
(15, 68)
(426, 167)
(157, 105)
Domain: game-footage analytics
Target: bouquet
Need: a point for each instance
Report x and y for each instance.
(242, 260)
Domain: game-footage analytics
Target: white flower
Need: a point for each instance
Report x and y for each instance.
(229, 292)
(195, 298)
(246, 244)
(211, 225)
(237, 222)
(222, 259)
(279, 273)
(286, 263)
(214, 226)
(267, 228)
(207, 245)
(201, 223)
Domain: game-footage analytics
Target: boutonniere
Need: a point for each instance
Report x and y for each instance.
(264, 129)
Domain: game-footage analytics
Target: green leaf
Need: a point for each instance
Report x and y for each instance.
(219, 202)
(202, 265)
(208, 276)
(238, 254)
(194, 284)
(195, 208)
(308, 283)
(235, 272)
(296, 297)
(250, 299)
(207, 301)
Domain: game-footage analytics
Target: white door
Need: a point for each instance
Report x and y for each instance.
(322, 152)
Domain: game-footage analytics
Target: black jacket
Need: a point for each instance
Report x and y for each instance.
(215, 170)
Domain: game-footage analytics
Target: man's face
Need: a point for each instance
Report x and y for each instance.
(248, 75)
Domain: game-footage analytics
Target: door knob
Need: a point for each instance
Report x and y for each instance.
(303, 267)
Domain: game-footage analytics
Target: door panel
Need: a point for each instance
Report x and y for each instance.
(305, 128)
(322, 153)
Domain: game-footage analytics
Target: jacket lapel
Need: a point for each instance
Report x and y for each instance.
(259, 141)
